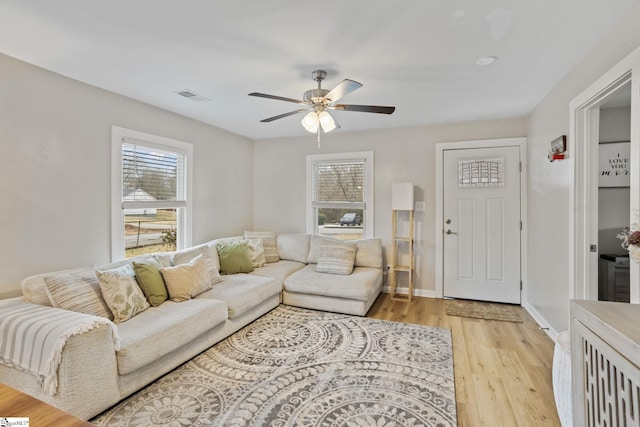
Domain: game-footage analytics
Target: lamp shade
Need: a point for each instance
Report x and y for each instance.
(311, 122)
(402, 196)
(326, 121)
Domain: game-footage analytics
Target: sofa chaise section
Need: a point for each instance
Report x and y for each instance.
(349, 294)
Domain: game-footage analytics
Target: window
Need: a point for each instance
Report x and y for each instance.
(150, 195)
(340, 195)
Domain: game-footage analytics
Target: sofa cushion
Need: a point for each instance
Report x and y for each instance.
(34, 290)
(77, 290)
(209, 255)
(150, 280)
(242, 292)
(164, 258)
(336, 257)
(185, 281)
(278, 270)
(268, 241)
(234, 257)
(359, 285)
(154, 332)
(121, 292)
(369, 253)
(294, 247)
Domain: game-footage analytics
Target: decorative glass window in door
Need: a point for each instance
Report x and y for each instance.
(481, 173)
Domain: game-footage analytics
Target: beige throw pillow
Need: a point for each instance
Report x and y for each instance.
(268, 241)
(256, 252)
(122, 293)
(186, 281)
(186, 255)
(336, 257)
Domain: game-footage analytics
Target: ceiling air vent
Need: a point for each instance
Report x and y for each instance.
(192, 96)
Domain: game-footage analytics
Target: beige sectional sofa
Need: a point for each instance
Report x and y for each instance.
(107, 362)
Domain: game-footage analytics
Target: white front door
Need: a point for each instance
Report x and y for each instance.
(481, 224)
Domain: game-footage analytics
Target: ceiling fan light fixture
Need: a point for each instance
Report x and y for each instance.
(311, 122)
(326, 121)
(318, 100)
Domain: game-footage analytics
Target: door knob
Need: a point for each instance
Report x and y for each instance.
(450, 232)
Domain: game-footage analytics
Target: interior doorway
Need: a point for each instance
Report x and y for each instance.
(614, 169)
(584, 147)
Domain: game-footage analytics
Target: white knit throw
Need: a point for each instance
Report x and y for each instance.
(32, 338)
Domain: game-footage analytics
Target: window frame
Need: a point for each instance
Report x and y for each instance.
(368, 203)
(184, 214)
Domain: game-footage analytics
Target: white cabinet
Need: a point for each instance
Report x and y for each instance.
(605, 359)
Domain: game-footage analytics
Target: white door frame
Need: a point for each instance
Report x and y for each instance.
(439, 231)
(584, 111)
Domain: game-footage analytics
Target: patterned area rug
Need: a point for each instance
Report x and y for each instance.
(483, 310)
(296, 367)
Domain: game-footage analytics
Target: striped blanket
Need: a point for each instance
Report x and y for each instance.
(32, 338)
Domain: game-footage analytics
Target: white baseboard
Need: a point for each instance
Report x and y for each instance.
(540, 320)
(416, 292)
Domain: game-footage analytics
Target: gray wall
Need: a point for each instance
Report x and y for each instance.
(54, 173)
(550, 183)
(401, 155)
(55, 138)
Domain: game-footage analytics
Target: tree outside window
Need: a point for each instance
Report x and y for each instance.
(339, 196)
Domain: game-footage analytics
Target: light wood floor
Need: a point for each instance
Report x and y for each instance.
(502, 369)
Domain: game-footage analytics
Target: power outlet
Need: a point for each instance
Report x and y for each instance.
(420, 206)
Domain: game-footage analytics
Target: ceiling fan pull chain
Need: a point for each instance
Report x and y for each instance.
(318, 137)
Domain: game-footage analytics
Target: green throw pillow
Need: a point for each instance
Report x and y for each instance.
(234, 257)
(151, 281)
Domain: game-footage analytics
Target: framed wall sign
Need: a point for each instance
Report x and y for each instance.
(614, 167)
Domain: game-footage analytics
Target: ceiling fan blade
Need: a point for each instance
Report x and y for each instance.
(279, 98)
(290, 113)
(345, 87)
(365, 108)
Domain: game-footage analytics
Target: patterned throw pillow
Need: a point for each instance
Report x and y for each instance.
(186, 281)
(122, 293)
(336, 257)
(256, 251)
(186, 255)
(77, 290)
(268, 241)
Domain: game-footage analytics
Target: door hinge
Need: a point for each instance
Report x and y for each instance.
(520, 284)
(520, 225)
(520, 166)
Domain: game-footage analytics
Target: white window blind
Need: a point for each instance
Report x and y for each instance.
(339, 184)
(152, 176)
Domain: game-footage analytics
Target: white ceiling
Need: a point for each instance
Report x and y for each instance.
(418, 55)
